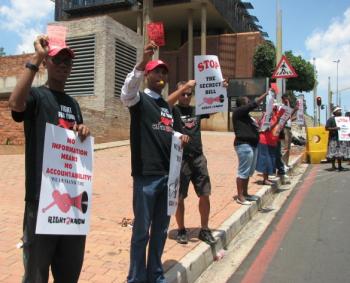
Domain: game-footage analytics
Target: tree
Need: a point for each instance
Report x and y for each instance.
(2, 52)
(264, 60)
(306, 74)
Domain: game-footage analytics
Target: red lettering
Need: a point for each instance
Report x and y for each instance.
(68, 165)
(206, 64)
(70, 141)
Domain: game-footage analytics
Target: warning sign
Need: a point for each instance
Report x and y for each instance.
(284, 69)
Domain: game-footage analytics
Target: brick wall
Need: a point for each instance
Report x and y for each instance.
(10, 131)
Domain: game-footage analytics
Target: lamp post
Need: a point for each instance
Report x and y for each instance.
(338, 98)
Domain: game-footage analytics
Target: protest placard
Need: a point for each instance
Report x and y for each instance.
(57, 36)
(344, 124)
(270, 98)
(174, 173)
(285, 113)
(66, 183)
(156, 33)
(300, 112)
(211, 96)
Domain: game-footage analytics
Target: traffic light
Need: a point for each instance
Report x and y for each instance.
(318, 101)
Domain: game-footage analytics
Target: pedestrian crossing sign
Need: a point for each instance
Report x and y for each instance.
(284, 69)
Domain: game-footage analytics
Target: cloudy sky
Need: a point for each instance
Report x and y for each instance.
(317, 29)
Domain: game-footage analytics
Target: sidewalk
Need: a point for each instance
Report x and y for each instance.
(107, 250)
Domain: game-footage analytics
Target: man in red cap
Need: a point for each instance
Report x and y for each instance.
(151, 131)
(36, 106)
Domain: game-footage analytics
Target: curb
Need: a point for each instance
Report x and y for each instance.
(192, 265)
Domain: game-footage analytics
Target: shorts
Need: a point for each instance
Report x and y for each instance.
(247, 156)
(195, 169)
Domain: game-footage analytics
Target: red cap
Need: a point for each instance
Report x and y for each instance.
(275, 87)
(55, 49)
(151, 65)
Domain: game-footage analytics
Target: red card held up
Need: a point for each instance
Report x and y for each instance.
(156, 33)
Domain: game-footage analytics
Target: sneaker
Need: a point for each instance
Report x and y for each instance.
(181, 237)
(285, 180)
(206, 236)
(251, 198)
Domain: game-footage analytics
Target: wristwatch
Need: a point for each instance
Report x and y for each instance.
(32, 67)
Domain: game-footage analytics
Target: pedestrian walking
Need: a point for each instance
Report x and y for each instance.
(246, 141)
(36, 106)
(151, 130)
(194, 164)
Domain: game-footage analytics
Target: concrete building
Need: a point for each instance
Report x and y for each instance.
(107, 37)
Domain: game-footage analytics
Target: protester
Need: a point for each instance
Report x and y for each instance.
(151, 131)
(36, 106)
(246, 140)
(337, 150)
(287, 141)
(194, 164)
(267, 148)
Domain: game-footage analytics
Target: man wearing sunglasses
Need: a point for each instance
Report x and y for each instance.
(194, 165)
(36, 106)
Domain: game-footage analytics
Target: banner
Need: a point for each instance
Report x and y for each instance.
(211, 96)
(174, 173)
(300, 112)
(66, 183)
(344, 124)
(270, 98)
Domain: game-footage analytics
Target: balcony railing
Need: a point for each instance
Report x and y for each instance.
(79, 5)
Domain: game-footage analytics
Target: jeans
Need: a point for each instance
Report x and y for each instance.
(150, 226)
(247, 155)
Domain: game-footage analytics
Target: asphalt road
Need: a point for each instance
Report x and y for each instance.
(309, 239)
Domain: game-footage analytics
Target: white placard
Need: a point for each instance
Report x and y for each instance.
(300, 112)
(66, 183)
(174, 173)
(344, 124)
(270, 98)
(211, 96)
(285, 112)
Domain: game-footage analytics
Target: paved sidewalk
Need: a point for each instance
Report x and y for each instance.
(107, 250)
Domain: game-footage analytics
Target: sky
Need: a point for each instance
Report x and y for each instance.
(317, 29)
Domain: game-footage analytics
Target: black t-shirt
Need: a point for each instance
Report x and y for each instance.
(245, 128)
(333, 134)
(43, 106)
(191, 126)
(151, 131)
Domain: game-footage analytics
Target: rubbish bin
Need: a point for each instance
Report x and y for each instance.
(317, 143)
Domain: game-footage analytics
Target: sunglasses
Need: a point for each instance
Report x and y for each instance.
(59, 60)
(187, 94)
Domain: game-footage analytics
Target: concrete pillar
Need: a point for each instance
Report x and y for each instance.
(190, 45)
(203, 29)
(139, 23)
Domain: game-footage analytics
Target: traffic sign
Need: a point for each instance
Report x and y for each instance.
(284, 69)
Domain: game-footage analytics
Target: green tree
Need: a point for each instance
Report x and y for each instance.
(2, 52)
(306, 75)
(264, 60)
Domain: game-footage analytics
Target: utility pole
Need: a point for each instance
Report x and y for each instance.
(315, 93)
(338, 97)
(279, 47)
(329, 108)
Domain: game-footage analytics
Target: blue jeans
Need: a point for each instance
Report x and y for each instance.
(150, 226)
(247, 155)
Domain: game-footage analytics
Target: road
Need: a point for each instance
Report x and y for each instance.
(307, 240)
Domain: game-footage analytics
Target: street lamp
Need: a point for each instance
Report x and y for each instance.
(338, 99)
